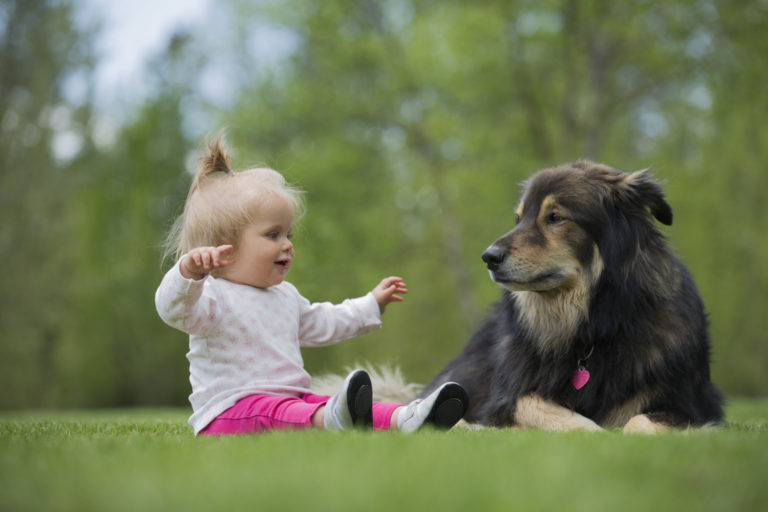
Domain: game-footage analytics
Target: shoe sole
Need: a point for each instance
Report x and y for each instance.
(360, 399)
(450, 406)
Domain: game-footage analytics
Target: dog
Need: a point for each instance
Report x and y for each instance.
(600, 325)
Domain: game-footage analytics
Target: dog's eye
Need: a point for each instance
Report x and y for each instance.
(517, 219)
(554, 218)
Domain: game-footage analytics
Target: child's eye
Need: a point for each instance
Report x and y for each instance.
(272, 235)
(289, 235)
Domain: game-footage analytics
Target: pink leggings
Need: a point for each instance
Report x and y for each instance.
(260, 413)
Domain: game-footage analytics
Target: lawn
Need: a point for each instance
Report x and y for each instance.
(148, 460)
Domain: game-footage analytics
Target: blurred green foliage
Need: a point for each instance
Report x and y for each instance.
(410, 125)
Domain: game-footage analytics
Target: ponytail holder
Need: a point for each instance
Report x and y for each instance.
(230, 172)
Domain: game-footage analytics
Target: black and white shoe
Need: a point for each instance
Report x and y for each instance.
(351, 407)
(442, 409)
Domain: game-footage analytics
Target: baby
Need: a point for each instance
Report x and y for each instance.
(233, 248)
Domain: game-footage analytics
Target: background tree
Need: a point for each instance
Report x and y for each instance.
(43, 57)
(410, 125)
(124, 354)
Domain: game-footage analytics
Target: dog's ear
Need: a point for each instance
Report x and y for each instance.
(641, 189)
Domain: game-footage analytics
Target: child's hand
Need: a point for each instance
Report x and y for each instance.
(386, 291)
(199, 262)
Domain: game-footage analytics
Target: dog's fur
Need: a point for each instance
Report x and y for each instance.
(589, 280)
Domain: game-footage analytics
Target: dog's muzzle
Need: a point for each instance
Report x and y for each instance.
(494, 257)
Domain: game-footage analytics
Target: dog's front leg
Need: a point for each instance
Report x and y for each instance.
(535, 412)
(642, 424)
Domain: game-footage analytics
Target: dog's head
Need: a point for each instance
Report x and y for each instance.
(570, 220)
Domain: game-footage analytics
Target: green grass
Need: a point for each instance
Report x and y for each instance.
(148, 460)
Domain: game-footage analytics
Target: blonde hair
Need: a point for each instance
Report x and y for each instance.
(221, 203)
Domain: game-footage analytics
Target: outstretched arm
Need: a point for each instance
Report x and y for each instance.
(387, 291)
(180, 298)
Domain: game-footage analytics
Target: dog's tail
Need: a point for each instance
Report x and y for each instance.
(388, 382)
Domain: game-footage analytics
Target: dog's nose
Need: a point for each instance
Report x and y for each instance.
(493, 257)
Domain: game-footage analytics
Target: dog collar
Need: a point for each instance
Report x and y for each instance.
(580, 376)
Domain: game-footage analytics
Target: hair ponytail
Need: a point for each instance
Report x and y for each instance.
(216, 158)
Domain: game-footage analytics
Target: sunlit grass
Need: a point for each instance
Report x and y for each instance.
(149, 460)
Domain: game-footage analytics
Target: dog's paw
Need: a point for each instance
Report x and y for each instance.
(465, 425)
(583, 424)
(642, 424)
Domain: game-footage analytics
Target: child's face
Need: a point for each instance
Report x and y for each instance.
(264, 253)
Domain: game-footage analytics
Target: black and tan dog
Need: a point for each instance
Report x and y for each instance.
(600, 324)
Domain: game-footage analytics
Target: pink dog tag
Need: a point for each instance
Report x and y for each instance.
(580, 377)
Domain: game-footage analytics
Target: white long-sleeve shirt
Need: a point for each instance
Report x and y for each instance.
(245, 340)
